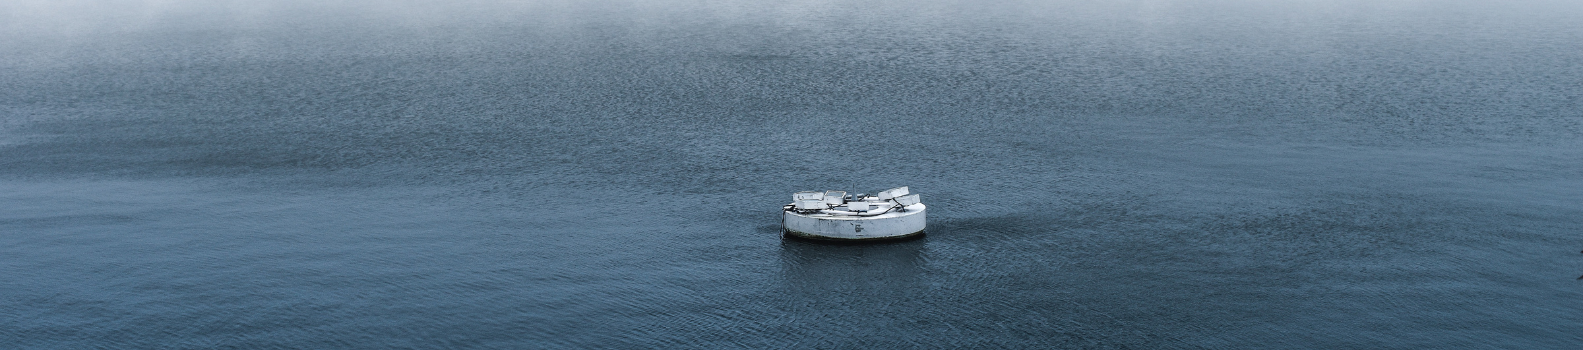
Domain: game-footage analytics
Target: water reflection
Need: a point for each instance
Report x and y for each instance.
(821, 268)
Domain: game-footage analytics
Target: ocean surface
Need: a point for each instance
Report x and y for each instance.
(578, 174)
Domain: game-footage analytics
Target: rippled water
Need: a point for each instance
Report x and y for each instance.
(1150, 174)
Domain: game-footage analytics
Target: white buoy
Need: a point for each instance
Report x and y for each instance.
(830, 215)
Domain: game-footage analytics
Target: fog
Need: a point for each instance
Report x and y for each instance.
(43, 33)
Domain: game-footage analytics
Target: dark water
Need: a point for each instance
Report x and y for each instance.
(1151, 174)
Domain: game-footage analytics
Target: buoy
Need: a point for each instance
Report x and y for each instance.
(833, 215)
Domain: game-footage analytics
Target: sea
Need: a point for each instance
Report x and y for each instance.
(556, 174)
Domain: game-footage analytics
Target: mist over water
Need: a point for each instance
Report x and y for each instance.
(479, 174)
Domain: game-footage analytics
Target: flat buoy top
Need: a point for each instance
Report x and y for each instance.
(839, 203)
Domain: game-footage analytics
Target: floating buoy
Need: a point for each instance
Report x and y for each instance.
(834, 215)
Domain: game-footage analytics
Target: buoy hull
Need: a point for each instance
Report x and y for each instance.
(900, 224)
